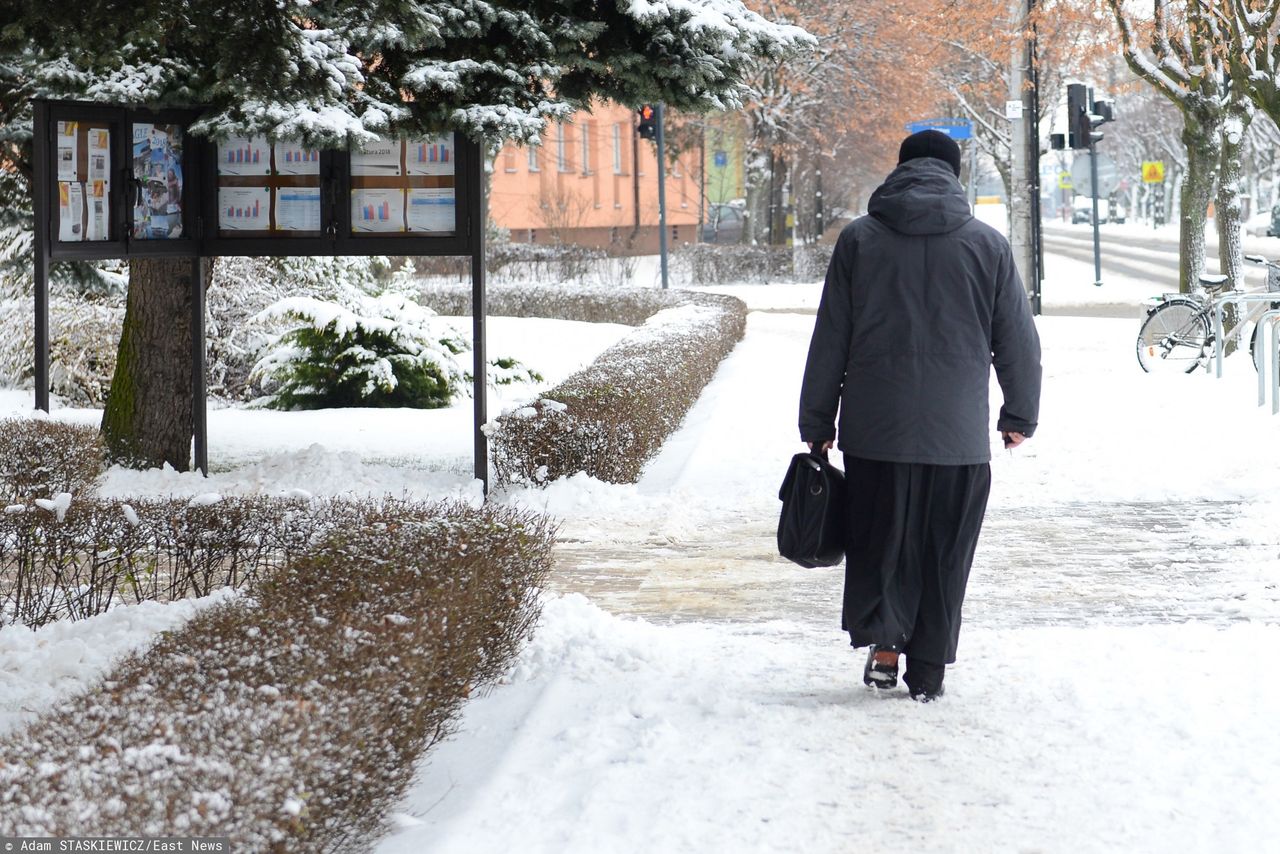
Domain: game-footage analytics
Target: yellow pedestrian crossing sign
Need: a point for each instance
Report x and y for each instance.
(1064, 180)
(1153, 171)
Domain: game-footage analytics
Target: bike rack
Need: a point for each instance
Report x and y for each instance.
(1271, 318)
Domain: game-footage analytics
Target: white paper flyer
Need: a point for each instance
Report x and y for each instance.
(100, 155)
(381, 157)
(433, 209)
(70, 211)
(298, 209)
(68, 143)
(97, 227)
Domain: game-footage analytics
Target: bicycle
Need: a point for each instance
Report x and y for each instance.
(1177, 334)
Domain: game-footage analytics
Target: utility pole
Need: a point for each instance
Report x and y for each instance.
(662, 195)
(1021, 206)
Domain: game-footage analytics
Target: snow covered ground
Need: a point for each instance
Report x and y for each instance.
(689, 691)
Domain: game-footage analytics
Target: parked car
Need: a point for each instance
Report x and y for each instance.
(1259, 225)
(724, 224)
(1082, 210)
(1274, 230)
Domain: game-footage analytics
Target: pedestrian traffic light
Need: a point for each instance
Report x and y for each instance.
(648, 127)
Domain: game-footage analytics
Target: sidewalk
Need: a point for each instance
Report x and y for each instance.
(1111, 692)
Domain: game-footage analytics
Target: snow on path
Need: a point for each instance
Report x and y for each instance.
(615, 735)
(1109, 694)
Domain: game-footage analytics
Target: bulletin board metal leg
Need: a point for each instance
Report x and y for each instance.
(42, 331)
(40, 208)
(479, 367)
(199, 385)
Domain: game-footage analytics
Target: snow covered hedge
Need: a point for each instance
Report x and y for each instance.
(711, 264)
(40, 458)
(71, 558)
(612, 417)
(290, 718)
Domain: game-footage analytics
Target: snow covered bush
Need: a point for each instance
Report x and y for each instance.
(40, 458)
(290, 719)
(627, 305)
(392, 353)
(71, 558)
(612, 417)
(84, 333)
(711, 264)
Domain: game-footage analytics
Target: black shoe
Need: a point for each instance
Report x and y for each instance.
(924, 680)
(879, 675)
(928, 696)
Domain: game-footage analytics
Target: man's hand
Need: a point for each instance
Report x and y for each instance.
(826, 446)
(1012, 439)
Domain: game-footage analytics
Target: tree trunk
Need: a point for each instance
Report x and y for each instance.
(1227, 207)
(1197, 188)
(148, 417)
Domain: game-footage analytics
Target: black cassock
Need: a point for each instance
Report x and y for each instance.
(913, 529)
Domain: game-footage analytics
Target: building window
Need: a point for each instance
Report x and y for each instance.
(562, 148)
(533, 158)
(509, 159)
(617, 149)
(586, 148)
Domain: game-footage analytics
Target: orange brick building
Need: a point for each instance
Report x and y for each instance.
(592, 181)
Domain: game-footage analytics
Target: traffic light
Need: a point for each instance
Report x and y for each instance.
(648, 127)
(1078, 124)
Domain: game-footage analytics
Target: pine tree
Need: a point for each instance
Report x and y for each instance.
(334, 72)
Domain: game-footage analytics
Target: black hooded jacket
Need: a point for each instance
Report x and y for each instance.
(920, 301)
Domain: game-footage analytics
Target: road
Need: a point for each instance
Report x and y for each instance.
(1129, 252)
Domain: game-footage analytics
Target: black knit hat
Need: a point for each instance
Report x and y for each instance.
(931, 143)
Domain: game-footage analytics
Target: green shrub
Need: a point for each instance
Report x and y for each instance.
(290, 719)
(40, 458)
(394, 353)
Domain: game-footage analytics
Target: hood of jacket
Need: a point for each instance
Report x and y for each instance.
(921, 196)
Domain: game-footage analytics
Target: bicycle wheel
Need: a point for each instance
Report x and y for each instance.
(1173, 338)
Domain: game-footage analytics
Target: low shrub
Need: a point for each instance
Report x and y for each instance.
(612, 417)
(78, 558)
(290, 719)
(712, 264)
(40, 458)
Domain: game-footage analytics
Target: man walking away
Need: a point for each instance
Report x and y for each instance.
(920, 301)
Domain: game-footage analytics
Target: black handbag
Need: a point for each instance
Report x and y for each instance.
(811, 529)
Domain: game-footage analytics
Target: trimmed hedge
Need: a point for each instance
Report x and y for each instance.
(40, 458)
(78, 558)
(612, 417)
(290, 719)
(712, 264)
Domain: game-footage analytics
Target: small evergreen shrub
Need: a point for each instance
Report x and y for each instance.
(290, 719)
(40, 458)
(393, 353)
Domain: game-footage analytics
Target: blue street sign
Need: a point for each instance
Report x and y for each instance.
(721, 159)
(954, 128)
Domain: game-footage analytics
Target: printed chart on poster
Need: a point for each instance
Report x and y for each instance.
(83, 166)
(239, 155)
(268, 188)
(244, 208)
(431, 156)
(292, 159)
(377, 210)
(157, 167)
